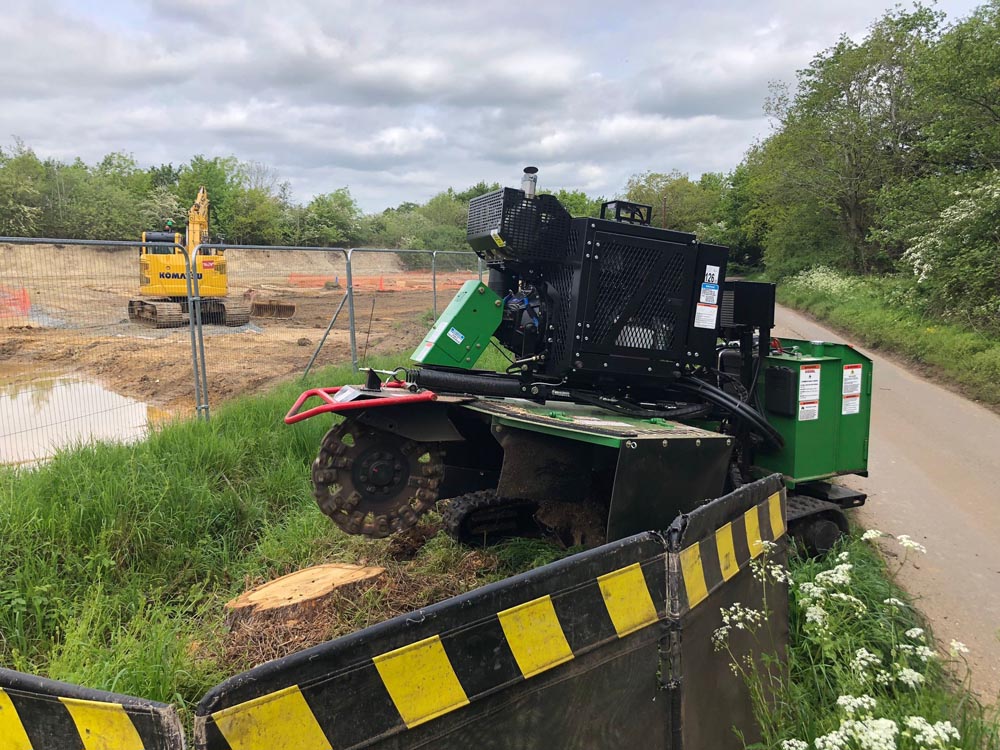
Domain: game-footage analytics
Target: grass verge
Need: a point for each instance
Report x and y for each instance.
(863, 668)
(116, 560)
(883, 313)
(115, 563)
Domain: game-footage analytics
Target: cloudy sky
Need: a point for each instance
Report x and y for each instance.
(398, 100)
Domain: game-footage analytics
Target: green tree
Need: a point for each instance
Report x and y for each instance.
(22, 178)
(220, 176)
(578, 203)
(678, 202)
(331, 220)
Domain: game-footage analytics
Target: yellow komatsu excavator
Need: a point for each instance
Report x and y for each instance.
(163, 277)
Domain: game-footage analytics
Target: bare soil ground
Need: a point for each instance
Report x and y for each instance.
(63, 311)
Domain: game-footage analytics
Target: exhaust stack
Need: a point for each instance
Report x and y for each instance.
(529, 181)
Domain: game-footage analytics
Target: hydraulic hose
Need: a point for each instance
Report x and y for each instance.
(738, 409)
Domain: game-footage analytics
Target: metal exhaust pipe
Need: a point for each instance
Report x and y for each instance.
(529, 181)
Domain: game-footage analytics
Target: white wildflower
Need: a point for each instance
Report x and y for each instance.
(924, 653)
(905, 648)
(719, 637)
(872, 534)
(882, 677)
(844, 556)
(867, 734)
(914, 633)
(863, 659)
(835, 740)
(816, 615)
(768, 547)
(894, 602)
(926, 734)
(740, 617)
(794, 745)
(910, 677)
(957, 647)
(779, 573)
(907, 543)
(839, 575)
(811, 591)
(873, 734)
(862, 705)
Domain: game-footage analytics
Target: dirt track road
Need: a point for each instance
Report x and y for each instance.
(935, 475)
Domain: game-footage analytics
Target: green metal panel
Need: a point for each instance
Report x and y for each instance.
(462, 333)
(828, 435)
(589, 424)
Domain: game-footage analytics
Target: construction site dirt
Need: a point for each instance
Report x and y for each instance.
(63, 312)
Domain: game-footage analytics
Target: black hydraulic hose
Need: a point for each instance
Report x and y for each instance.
(628, 409)
(451, 381)
(738, 409)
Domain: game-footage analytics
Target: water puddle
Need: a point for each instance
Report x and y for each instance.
(43, 414)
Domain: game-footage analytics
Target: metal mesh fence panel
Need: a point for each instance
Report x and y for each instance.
(301, 312)
(73, 367)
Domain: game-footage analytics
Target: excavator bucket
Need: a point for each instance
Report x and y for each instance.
(272, 308)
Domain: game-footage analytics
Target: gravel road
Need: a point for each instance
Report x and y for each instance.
(935, 475)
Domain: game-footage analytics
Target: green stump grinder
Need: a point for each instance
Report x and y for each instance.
(640, 384)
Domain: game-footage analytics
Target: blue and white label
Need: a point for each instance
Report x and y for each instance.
(455, 335)
(709, 294)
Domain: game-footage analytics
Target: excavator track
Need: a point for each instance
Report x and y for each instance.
(481, 518)
(373, 482)
(157, 313)
(235, 312)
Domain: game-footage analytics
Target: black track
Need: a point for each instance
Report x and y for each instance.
(479, 518)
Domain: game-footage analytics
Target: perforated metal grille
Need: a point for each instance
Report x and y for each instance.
(560, 330)
(484, 213)
(624, 270)
(530, 229)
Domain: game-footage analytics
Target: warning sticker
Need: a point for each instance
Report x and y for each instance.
(808, 410)
(852, 380)
(456, 336)
(208, 265)
(705, 316)
(495, 234)
(347, 393)
(711, 274)
(809, 383)
(709, 294)
(851, 404)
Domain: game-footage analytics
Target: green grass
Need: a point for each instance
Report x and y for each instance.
(820, 658)
(882, 313)
(115, 563)
(115, 560)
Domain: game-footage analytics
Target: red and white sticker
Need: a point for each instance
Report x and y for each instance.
(851, 405)
(851, 402)
(705, 316)
(852, 380)
(809, 392)
(208, 265)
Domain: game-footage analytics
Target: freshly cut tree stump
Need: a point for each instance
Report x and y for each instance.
(292, 596)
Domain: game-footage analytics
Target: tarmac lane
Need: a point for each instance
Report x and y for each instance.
(934, 464)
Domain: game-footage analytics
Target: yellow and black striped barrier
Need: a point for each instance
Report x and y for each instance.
(603, 649)
(40, 714)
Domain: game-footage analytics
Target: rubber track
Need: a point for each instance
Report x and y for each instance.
(458, 517)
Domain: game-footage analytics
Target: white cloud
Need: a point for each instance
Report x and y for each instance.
(399, 101)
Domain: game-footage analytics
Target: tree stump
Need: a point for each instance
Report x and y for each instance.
(295, 595)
